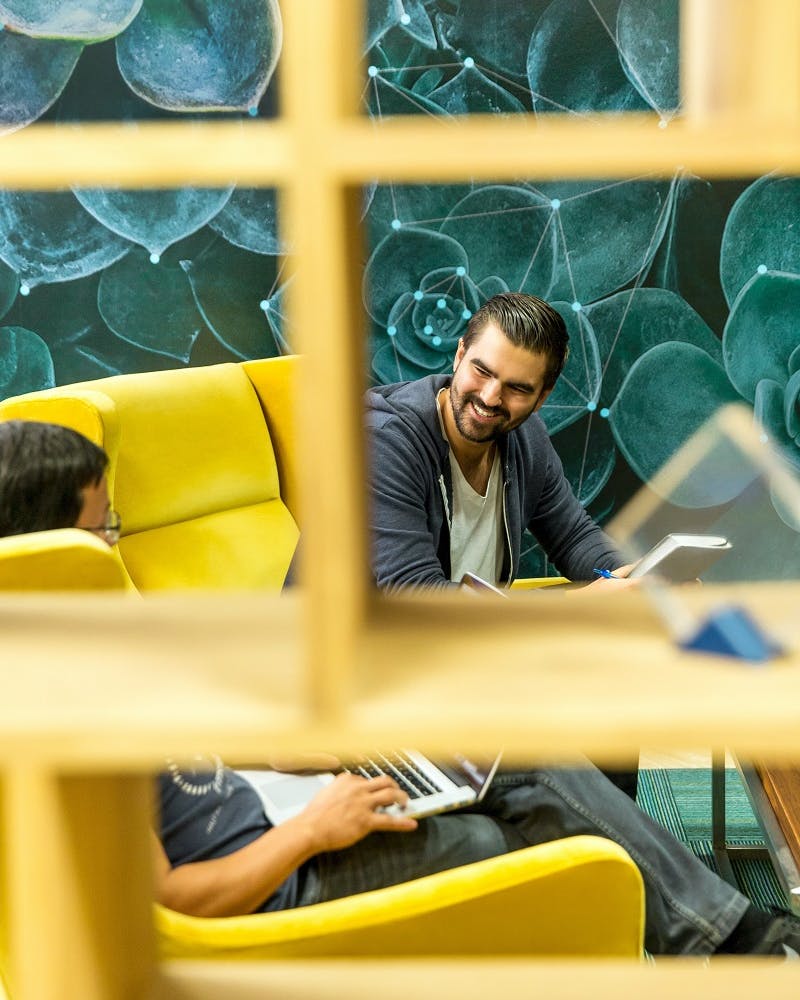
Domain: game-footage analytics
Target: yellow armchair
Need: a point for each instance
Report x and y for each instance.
(578, 896)
(201, 468)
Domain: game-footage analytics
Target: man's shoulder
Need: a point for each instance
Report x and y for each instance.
(410, 402)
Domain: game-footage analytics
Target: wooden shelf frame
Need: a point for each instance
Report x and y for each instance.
(74, 798)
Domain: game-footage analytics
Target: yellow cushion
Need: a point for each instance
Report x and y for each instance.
(246, 548)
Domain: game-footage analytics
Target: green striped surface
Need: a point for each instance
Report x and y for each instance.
(681, 801)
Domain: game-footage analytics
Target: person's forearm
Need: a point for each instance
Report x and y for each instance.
(240, 882)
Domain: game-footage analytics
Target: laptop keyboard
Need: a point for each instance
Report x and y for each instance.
(400, 767)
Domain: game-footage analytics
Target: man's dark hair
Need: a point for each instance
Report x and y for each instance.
(43, 469)
(528, 322)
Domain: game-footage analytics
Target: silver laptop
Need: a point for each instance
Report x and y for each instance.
(431, 787)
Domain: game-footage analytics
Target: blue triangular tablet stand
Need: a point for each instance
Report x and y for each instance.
(731, 631)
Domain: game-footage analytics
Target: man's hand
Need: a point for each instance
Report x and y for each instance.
(345, 811)
(614, 583)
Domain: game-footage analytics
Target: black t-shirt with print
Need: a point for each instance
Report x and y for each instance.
(209, 811)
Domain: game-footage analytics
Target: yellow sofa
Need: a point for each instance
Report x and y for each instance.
(202, 468)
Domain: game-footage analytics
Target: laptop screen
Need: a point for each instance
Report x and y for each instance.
(475, 772)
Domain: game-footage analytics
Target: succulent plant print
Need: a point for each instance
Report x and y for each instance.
(679, 294)
(71, 20)
(104, 281)
(679, 297)
(189, 55)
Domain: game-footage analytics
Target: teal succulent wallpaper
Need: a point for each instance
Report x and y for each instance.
(680, 294)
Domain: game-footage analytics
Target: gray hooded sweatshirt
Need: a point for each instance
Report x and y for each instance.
(411, 494)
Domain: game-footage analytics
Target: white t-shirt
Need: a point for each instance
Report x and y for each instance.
(476, 540)
(476, 522)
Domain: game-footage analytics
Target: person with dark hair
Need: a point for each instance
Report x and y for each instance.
(461, 465)
(527, 322)
(216, 853)
(52, 477)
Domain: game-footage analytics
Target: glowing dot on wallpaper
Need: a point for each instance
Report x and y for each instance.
(396, 223)
(253, 112)
(469, 62)
(762, 268)
(264, 305)
(154, 258)
(604, 413)
(24, 290)
(428, 329)
(392, 331)
(576, 307)
(372, 71)
(436, 341)
(763, 439)
(405, 18)
(591, 406)
(555, 204)
(663, 123)
(461, 271)
(418, 295)
(466, 314)
(441, 304)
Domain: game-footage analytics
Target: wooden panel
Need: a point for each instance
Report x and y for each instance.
(128, 680)
(148, 154)
(356, 151)
(319, 71)
(782, 787)
(469, 979)
(77, 864)
(740, 59)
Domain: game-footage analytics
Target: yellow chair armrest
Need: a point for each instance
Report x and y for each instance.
(577, 896)
(537, 582)
(65, 559)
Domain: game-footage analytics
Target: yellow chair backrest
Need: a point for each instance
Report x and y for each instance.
(193, 472)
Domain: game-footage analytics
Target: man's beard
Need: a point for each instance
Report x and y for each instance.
(467, 428)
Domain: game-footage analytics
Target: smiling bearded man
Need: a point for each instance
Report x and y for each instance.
(462, 465)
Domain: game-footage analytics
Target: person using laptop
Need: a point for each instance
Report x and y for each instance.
(216, 853)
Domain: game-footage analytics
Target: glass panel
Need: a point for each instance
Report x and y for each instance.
(501, 56)
(680, 296)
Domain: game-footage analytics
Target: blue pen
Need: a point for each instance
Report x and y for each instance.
(606, 574)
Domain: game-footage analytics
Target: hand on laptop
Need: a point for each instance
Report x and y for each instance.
(351, 807)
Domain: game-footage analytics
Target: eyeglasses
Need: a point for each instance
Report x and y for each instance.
(110, 530)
